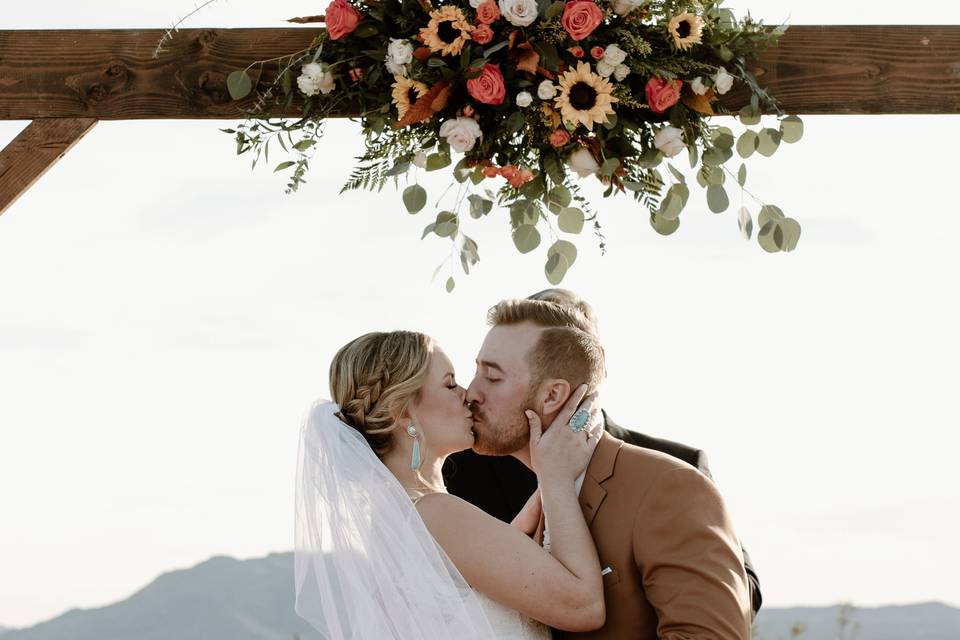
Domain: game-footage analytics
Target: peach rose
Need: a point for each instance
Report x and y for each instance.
(559, 137)
(488, 12)
(577, 52)
(491, 172)
(663, 94)
(581, 17)
(520, 178)
(488, 87)
(341, 19)
(482, 34)
(596, 52)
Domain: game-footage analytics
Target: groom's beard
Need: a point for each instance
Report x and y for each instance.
(502, 435)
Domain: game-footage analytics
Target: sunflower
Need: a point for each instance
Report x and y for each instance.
(447, 31)
(686, 29)
(584, 96)
(405, 93)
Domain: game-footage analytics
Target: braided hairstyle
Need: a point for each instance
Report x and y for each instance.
(375, 377)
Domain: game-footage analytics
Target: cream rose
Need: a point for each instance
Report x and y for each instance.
(546, 90)
(723, 81)
(524, 99)
(420, 159)
(519, 13)
(699, 87)
(621, 72)
(670, 141)
(461, 133)
(623, 7)
(605, 69)
(614, 55)
(315, 78)
(583, 163)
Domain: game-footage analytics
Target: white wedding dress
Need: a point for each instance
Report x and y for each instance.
(509, 624)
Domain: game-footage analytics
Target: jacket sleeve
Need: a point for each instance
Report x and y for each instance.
(690, 559)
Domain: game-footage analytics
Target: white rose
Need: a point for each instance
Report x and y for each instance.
(698, 86)
(670, 141)
(605, 69)
(315, 78)
(623, 7)
(723, 81)
(582, 163)
(519, 13)
(621, 72)
(396, 69)
(476, 3)
(614, 55)
(524, 99)
(400, 51)
(420, 159)
(546, 90)
(461, 133)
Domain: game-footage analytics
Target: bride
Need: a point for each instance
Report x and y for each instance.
(382, 551)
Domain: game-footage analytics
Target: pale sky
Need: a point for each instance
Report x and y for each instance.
(166, 316)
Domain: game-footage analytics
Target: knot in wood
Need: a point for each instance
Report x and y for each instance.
(207, 37)
(96, 92)
(213, 88)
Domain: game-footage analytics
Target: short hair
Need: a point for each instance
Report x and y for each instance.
(568, 347)
(568, 298)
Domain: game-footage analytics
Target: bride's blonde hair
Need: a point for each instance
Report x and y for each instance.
(375, 377)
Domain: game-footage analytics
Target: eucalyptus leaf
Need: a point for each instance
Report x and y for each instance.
(560, 195)
(745, 222)
(415, 198)
(556, 268)
(451, 283)
(766, 236)
(769, 142)
(750, 115)
(565, 248)
(239, 84)
(717, 198)
(676, 174)
(571, 220)
(742, 175)
(479, 206)
(663, 226)
(284, 165)
(791, 129)
(674, 202)
(437, 161)
(767, 213)
(526, 238)
(747, 144)
(790, 229)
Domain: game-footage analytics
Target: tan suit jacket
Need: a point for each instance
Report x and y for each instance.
(676, 565)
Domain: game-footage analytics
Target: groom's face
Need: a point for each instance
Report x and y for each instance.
(502, 389)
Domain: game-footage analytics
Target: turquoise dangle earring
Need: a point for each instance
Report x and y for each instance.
(416, 460)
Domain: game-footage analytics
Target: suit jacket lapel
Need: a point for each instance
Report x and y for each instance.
(600, 469)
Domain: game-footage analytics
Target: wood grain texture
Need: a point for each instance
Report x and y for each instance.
(34, 151)
(111, 74)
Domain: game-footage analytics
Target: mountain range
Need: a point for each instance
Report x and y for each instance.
(228, 599)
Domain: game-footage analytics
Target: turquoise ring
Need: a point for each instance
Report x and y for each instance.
(578, 421)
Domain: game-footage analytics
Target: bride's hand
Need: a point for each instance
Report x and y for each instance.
(560, 453)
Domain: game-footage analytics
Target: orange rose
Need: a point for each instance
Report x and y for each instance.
(488, 87)
(491, 172)
(488, 12)
(576, 51)
(663, 94)
(581, 17)
(481, 34)
(596, 52)
(341, 19)
(559, 137)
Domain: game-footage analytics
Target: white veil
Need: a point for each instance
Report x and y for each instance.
(366, 567)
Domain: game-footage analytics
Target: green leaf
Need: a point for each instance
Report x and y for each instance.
(723, 138)
(742, 175)
(556, 268)
(451, 283)
(767, 213)
(745, 222)
(438, 161)
(663, 226)
(284, 165)
(717, 198)
(239, 84)
(769, 142)
(651, 158)
(565, 248)
(766, 236)
(526, 238)
(571, 220)
(747, 144)
(415, 198)
(791, 129)
(479, 206)
(609, 166)
(494, 49)
(447, 224)
(750, 115)
(560, 195)
(790, 230)
(555, 9)
(674, 202)
(515, 122)
(304, 144)
(676, 174)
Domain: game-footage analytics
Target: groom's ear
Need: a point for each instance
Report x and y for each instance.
(555, 394)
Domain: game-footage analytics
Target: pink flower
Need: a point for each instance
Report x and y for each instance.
(482, 34)
(491, 172)
(596, 52)
(581, 17)
(488, 12)
(488, 87)
(341, 19)
(663, 94)
(559, 137)
(577, 52)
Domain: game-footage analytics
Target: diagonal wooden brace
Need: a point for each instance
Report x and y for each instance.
(34, 150)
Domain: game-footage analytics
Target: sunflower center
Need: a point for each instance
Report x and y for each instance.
(683, 29)
(583, 97)
(447, 32)
(412, 95)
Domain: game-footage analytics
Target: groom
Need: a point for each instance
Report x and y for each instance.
(673, 567)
